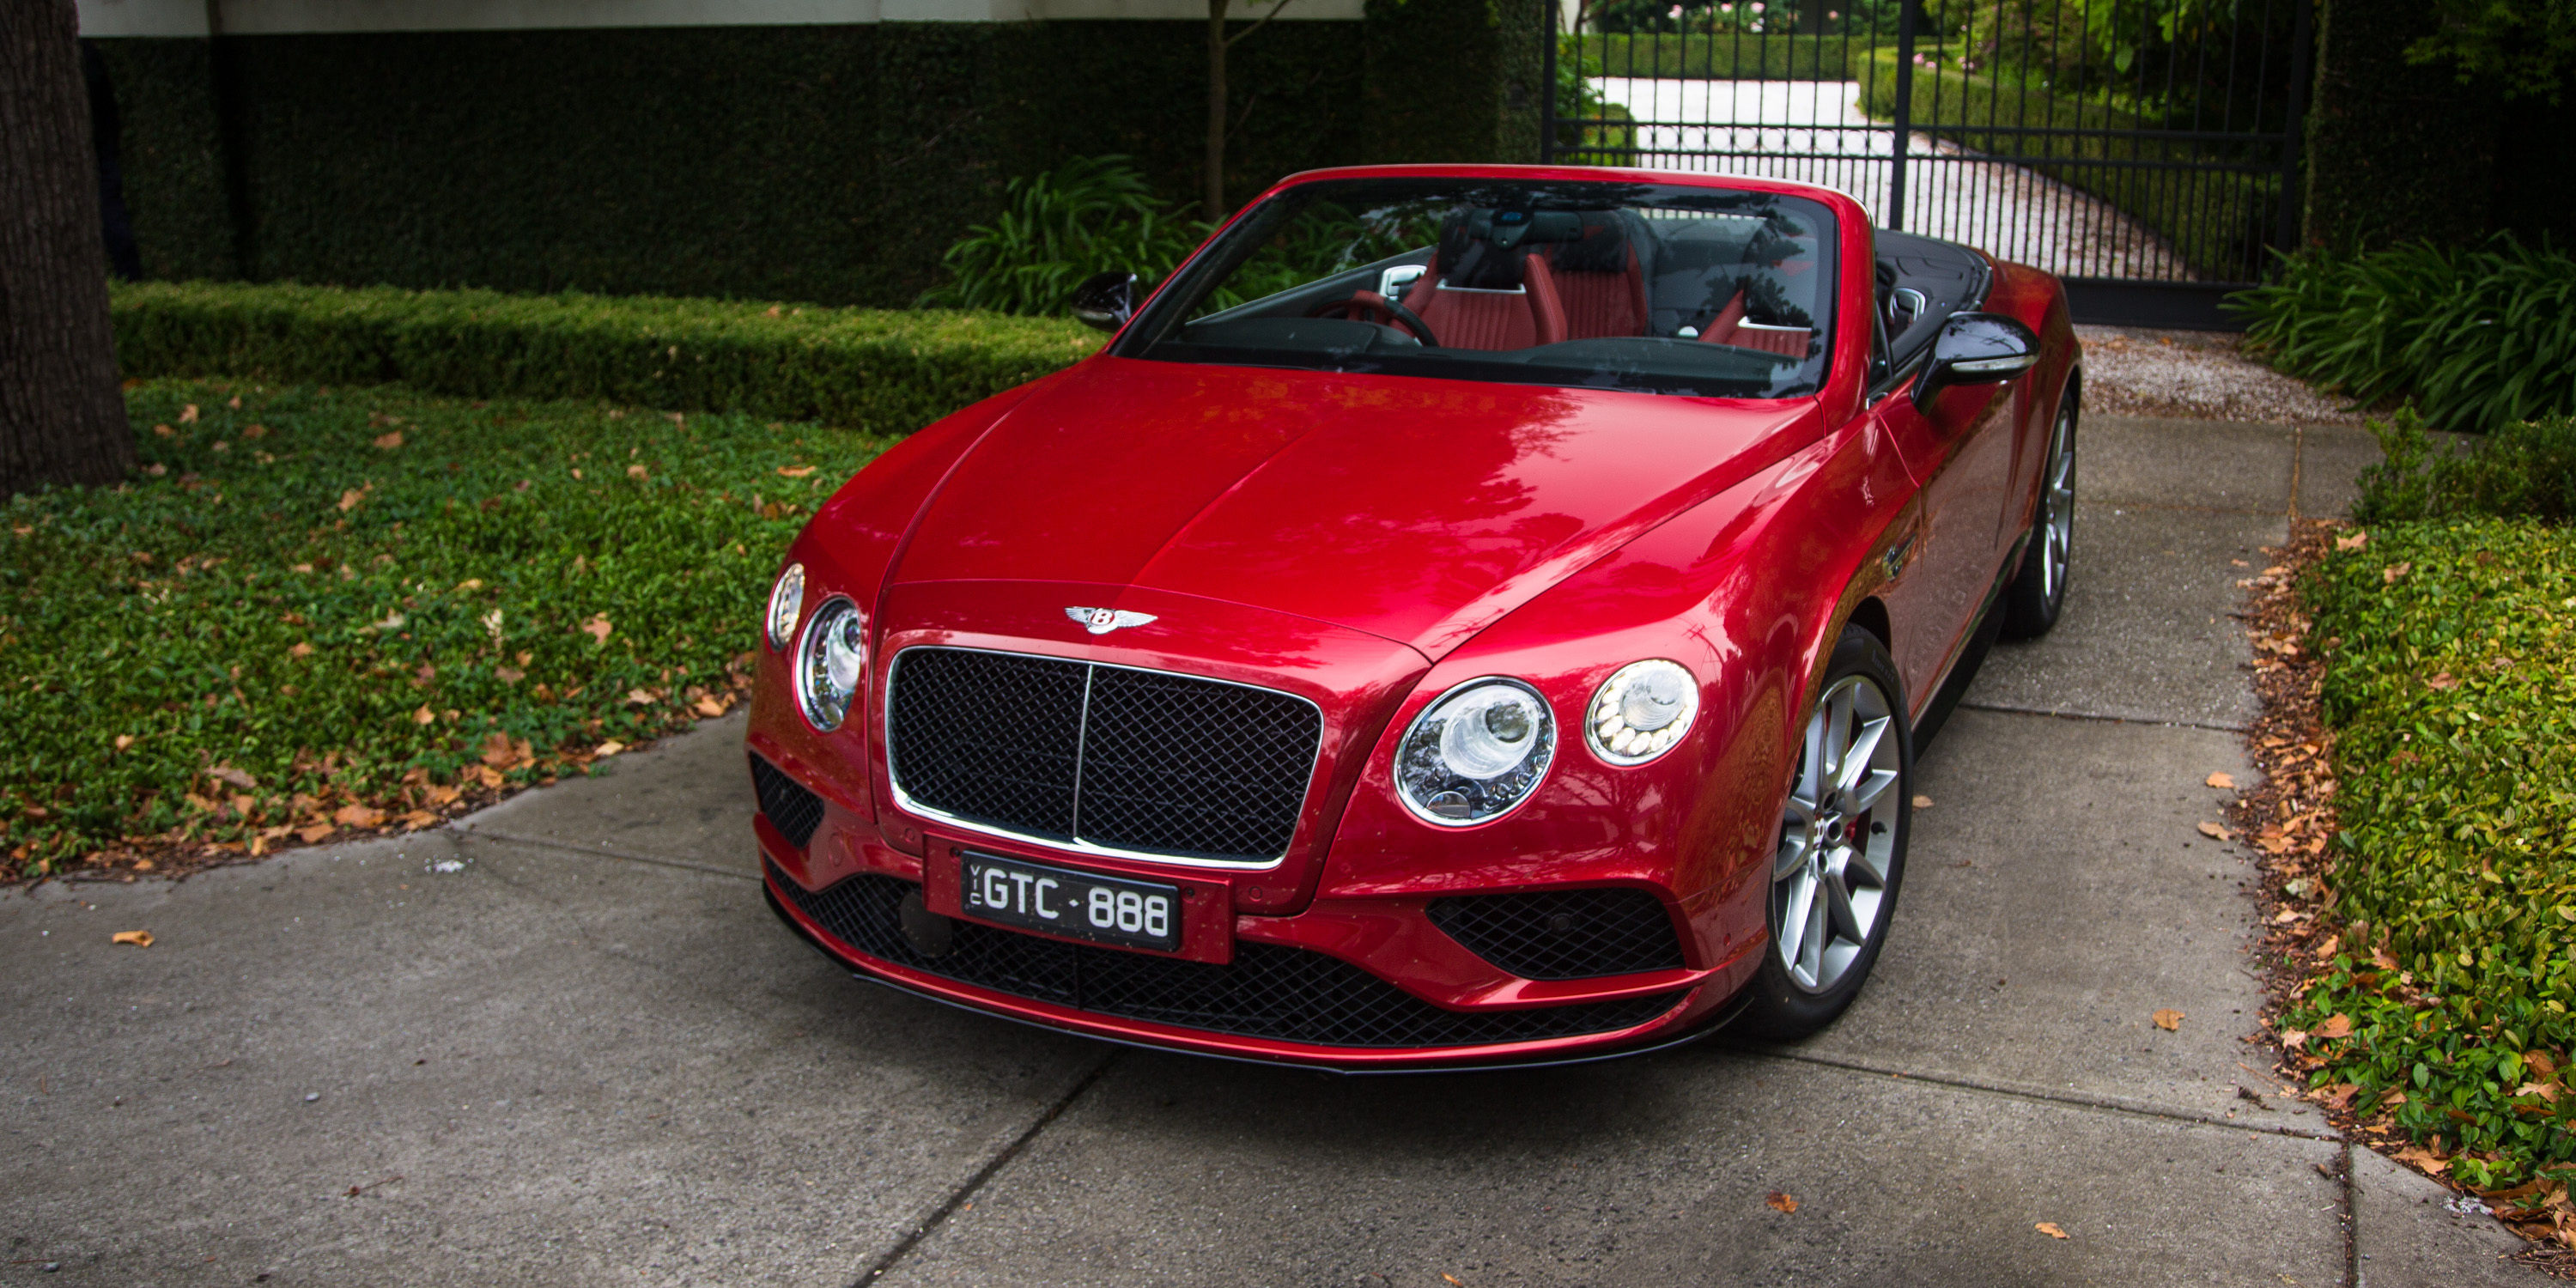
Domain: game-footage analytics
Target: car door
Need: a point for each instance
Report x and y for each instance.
(1959, 448)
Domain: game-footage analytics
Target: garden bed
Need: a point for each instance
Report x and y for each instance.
(2414, 827)
(315, 613)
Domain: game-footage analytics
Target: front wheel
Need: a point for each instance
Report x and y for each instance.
(1841, 858)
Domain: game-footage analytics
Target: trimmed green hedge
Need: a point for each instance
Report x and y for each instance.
(2217, 221)
(888, 372)
(1729, 57)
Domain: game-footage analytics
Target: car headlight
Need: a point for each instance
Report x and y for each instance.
(786, 599)
(1475, 753)
(830, 662)
(1641, 711)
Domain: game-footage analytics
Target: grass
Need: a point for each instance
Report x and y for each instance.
(2475, 337)
(2451, 681)
(316, 611)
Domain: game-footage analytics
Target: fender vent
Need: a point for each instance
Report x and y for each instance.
(792, 809)
(1563, 934)
(1270, 991)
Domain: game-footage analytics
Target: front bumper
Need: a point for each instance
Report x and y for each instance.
(1275, 1002)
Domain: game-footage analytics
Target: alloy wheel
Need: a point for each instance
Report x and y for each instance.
(2057, 506)
(1829, 883)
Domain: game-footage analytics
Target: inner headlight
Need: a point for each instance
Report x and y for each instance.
(786, 599)
(830, 662)
(1641, 711)
(1477, 752)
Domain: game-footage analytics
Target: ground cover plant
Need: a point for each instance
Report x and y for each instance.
(2476, 338)
(885, 370)
(315, 611)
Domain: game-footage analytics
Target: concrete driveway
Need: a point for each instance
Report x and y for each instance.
(587, 1054)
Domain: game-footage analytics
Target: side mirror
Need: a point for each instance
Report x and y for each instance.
(1105, 300)
(1976, 349)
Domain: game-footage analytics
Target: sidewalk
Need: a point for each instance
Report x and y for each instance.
(590, 1055)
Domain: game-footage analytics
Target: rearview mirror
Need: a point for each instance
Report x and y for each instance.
(1976, 349)
(1105, 300)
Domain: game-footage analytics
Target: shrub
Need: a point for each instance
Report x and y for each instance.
(2477, 337)
(2451, 681)
(2526, 469)
(1091, 215)
(887, 371)
(308, 604)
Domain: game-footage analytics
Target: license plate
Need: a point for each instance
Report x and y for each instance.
(1077, 905)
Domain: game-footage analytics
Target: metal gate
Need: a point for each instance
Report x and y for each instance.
(2147, 151)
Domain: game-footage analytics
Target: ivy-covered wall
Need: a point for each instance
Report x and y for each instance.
(823, 163)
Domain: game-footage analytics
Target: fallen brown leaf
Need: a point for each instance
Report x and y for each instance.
(796, 472)
(2221, 780)
(188, 414)
(2422, 1158)
(138, 938)
(424, 716)
(2353, 542)
(637, 472)
(1780, 1202)
(2168, 1019)
(124, 740)
(418, 819)
(388, 442)
(357, 816)
(316, 833)
(488, 776)
(349, 500)
(1922, 802)
(498, 753)
(708, 707)
(608, 748)
(598, 627)
(2051, 1229)
(2394, 573)
(2215, 831)
(2336, 1026)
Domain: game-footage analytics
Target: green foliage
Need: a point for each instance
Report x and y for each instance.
(2525, 469)
(285, 587)
(2522, 50)
(1090, 215)
(884, 371)
(2477, 337)
(2451, 682)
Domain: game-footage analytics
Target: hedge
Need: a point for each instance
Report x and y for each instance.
(1729, 56)
(2219, 222)
(884, 371)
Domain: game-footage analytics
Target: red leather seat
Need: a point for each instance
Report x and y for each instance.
(1464, 317)
(1729, 327)
(1601, 280)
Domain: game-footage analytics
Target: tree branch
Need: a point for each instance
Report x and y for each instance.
(1232, 40)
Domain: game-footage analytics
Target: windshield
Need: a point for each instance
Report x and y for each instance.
(1645, 286)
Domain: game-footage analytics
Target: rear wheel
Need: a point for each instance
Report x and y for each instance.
(2039, 592)
(1841, 857)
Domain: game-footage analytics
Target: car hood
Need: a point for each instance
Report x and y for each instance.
(1415, 510)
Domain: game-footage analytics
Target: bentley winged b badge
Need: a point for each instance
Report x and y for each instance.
(1101, 621)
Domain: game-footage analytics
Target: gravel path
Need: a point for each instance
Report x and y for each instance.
(2199, 374)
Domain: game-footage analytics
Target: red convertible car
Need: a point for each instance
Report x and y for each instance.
(1468, 615)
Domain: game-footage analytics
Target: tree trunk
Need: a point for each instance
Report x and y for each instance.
(1213, 207)
(62, 417)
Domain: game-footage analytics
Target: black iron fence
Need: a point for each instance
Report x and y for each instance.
(2145, 150)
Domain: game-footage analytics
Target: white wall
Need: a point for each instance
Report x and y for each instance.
(282, 17)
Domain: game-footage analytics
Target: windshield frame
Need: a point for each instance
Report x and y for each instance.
(1156, 327)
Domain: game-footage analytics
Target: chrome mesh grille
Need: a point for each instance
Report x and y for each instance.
(1137, 760)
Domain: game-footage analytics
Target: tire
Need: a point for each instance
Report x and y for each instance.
(1829, 901)
(2038, 593)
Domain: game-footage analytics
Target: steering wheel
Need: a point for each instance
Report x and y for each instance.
(1365, 302)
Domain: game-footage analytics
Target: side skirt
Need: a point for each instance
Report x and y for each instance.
(1963, 668)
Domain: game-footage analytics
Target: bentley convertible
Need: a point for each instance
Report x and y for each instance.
(1465, 616)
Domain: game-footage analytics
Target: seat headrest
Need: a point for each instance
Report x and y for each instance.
(1601, 244)
(1482, 248)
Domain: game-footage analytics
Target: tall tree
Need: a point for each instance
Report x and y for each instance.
(62, 417)
(1214, 208)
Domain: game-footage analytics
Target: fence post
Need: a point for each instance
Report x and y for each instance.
(1905, 12)
(2302, 42)
(1550, 14)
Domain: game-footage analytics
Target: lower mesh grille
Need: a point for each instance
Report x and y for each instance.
(791, 808)
(1270, 991)
(1563, 934)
